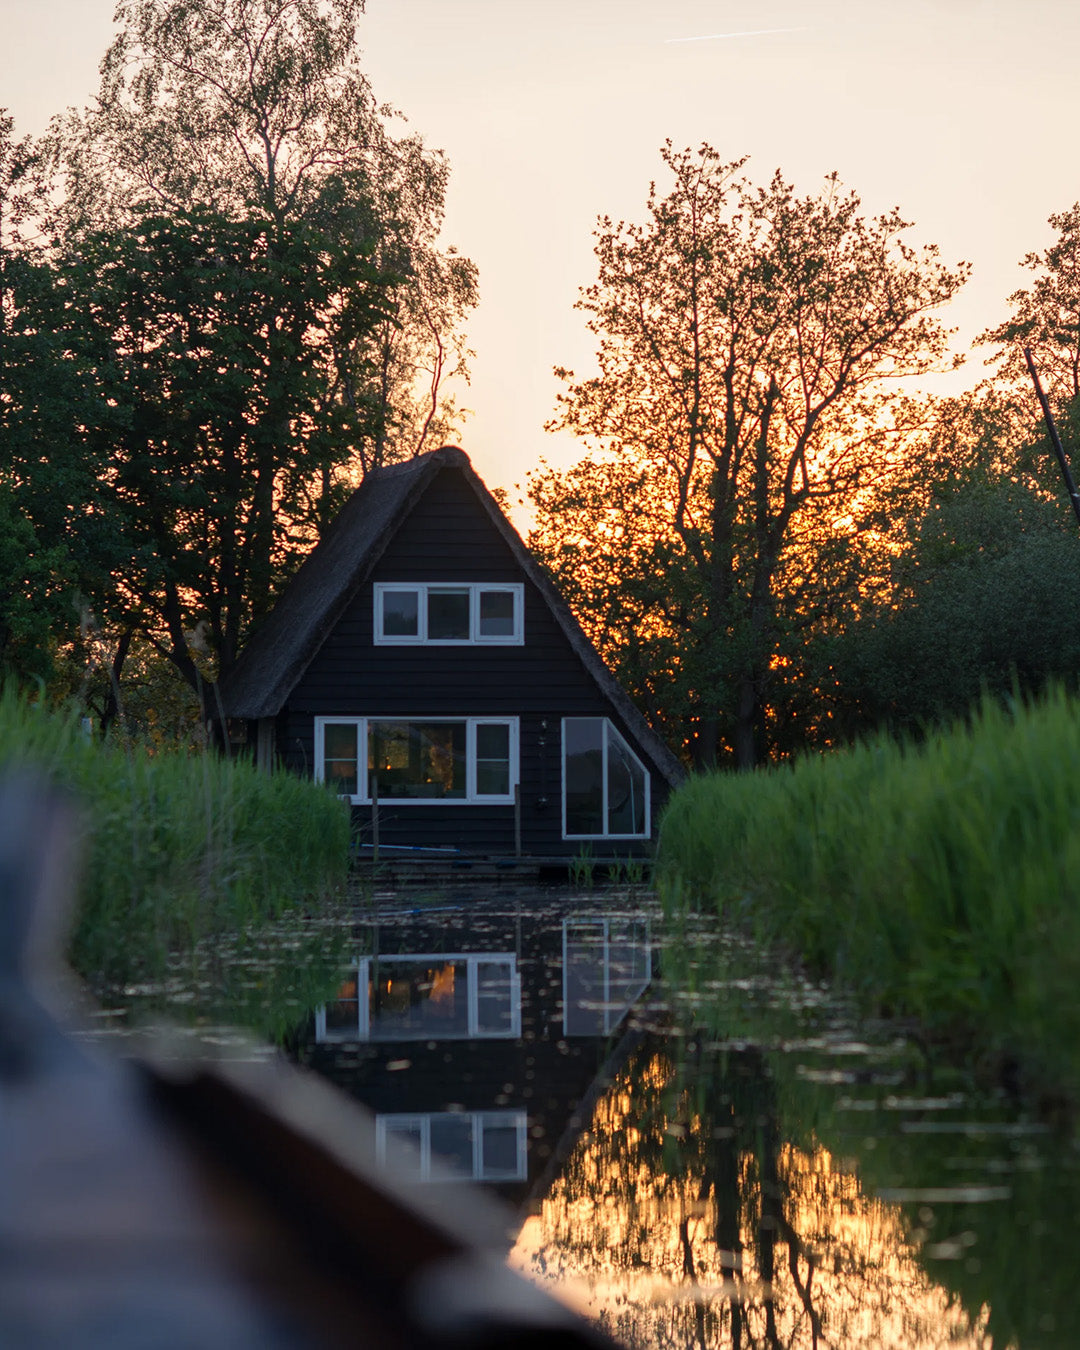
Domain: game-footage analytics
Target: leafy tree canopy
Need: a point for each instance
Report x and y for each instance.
(744, 408)
(1046, 316)
(239, 296)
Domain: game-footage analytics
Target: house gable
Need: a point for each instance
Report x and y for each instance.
(506, 701)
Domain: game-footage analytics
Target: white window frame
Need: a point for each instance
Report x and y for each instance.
(609, 729)
(422, 589)
(474, 1032)
(422, 1120)
(472, 797)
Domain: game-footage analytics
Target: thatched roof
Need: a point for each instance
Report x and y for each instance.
(284, 644)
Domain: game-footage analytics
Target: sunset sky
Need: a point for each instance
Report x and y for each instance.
(964, 113)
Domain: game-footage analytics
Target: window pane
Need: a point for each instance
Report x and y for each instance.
(418, 759)
(499, 1158)
(625, 788)
(497, 613)
(339, 756)
(400, 614)
(583, 978)
(493, 780)
(339, 740)
(493, 759)
(343, 1014)
(452, 1141)
(494, 997)
(418, 999)
(583, 775)
(448, 614)
(493, 740)
(408, 1133)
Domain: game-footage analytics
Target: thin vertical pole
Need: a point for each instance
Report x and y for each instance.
(374, 779)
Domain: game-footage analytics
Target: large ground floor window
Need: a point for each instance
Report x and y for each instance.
(419, 997)
(419, 759)
(605, 785)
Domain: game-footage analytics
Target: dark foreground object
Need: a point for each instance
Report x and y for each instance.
(170, 1203)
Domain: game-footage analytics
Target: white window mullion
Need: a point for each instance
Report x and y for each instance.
(363, 999)
(515, 1000)
(470, 759)
(473, 992)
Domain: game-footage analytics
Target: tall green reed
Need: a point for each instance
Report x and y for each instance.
(938, 880)
(177, 847)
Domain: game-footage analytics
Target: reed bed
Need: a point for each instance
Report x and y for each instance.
(178, 848)
(937, 880)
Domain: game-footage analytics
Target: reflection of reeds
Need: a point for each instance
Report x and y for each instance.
(936, 879)
(179, 848)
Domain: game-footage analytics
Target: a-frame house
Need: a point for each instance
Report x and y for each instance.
(422, 661)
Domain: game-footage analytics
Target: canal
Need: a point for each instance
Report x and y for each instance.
(695, 1148)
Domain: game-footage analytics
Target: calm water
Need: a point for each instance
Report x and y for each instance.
(700, 1151)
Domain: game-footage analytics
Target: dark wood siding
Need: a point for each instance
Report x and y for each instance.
(448, 536)
(545, 1072)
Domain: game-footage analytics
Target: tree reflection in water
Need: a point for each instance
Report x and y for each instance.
(683, 1218)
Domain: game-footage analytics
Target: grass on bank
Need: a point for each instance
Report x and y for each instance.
(939, 880)
(178, 848)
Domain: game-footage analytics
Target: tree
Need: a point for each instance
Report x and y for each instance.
(40, 402)
(977, 585)
(203, 337)
(260, 107)
(748, 341)
(1046, 317)
(244, 268)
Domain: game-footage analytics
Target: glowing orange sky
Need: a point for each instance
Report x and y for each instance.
(961, 112)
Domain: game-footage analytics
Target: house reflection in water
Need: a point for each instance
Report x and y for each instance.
(473, 1036)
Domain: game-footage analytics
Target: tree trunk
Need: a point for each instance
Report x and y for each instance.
(112, 708)
(744, 741)
(705, 742)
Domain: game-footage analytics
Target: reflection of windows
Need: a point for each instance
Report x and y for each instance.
(444, 759)
(477, 1145)
(607, 963)
(456, 997)
(450, 614)
(605, 785)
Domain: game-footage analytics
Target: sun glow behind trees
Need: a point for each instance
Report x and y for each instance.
(706, 619)
(748, 342)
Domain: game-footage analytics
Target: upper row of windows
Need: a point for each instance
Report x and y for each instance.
(448, 614)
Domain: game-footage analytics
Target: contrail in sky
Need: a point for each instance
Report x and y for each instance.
(753, 32)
